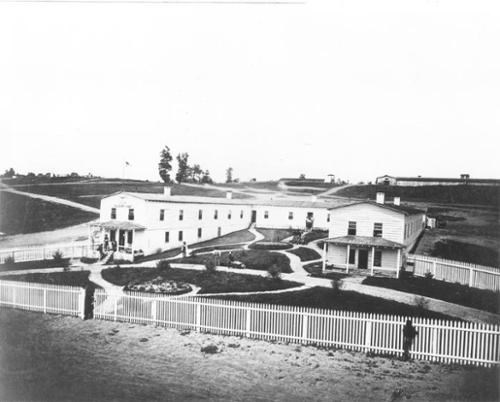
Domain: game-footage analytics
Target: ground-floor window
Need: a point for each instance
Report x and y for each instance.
(352, 256)
(241, 214)
(377, 258)
(180, 235)
(167, 237)
(266, 214)
(199, 233)
(290, 215)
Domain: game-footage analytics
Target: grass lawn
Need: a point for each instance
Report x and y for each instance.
(216, 282)
(20, 214)
(73, 278)
(315, 235)
(460, 251)
(263, 245)
(222, 247)
(450, 292)
(318, 297)
(160, 256)
(275, 234)
(33, 265)
(241, 236)
(253, 259)
(305, 253)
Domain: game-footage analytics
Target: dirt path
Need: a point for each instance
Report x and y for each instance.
(55, 358)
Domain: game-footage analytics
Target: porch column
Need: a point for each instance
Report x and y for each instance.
(372, 260)
(398, 263)
(324, 258)
(132, 244)
(347, 259)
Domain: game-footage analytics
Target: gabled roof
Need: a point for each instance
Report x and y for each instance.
(403, 209)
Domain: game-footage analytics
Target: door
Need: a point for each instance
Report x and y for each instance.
(363, 259)
(121, 239)
(254, 216)
(309, 220)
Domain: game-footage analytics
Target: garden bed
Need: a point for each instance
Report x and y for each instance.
(253, 259)
(450, 292)
(72, 278)
(159, 285)
(209, 282)
(213, 248)
(268, 245)
(325, 298)
(305, 254)
(315, 268)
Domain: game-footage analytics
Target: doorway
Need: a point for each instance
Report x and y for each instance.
(362, 259)
(254, 217)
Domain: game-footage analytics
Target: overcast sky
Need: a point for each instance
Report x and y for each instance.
(352, 88)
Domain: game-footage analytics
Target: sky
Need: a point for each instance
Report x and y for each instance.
(354, 88)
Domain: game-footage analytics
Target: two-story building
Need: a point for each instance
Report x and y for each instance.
(371, 235)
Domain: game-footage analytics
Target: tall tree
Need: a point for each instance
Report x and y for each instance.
(197, 173)
(183, 167)
(229, 175)
(165, 166)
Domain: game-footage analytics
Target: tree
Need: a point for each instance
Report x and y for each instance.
(206, 177)
(302, 176)
(229, 175)
(197, 173)
(183, 169)
(165, 166)
(9, 173)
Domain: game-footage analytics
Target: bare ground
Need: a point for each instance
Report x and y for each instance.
(44, 357)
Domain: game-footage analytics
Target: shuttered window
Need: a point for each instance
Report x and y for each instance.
(377, 229)
(351, 230)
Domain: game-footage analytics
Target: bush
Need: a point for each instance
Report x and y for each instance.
(163, 265)
(274, 272)
(428, 275)
(60, 260)
(210, 265)
(9, 261)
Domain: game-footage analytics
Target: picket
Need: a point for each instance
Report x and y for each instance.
(46, 253)
(473, 275)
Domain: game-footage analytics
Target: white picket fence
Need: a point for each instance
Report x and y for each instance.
(437, 340)
(46, 253)
(45, 298)
(477, 276)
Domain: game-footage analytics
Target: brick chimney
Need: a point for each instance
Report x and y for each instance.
(380, 198)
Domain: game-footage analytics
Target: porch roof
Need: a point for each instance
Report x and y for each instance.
(364, 241)
(119, 225)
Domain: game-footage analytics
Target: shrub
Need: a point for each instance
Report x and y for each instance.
(163, 265)
(428, 275)
(274, 272)
(210, 265)
(9, 261)
(60, 260)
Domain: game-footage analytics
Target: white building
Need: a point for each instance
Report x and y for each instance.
(371, 235)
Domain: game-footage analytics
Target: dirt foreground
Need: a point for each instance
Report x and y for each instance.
(48, 357)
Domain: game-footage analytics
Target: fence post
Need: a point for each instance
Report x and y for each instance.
(45, 300)
(368, 336)
(154, 304)
(81, 303)
(471, 276)
(198, 317)
(304, 326)
(434, 269)
(247, 332)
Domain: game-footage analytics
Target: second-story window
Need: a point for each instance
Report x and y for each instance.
(241, 214)
(131, 215)
(162, 214)
(266, 214)
(200, 214)
(290, 215)
(113, 213)
(216, 214)
(351, 230)
(328, 217)
(181, 214)
(229, 215)
(377, 229)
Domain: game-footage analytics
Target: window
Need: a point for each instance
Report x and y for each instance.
(113, 213)
(199, 233)
(352, 228)
(377, 229)
(181, 214)
(377, 259)
(219, 231)
(162, 214)
(328, 217)
(216, 214)
(167, 237)
(266, 214)
(180, 235)
(131, 214)
(241, 214)
(229, 215)
(200, 214)
(352, 256)
(290, 215)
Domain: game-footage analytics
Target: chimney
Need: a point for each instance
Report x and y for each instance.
(397, 200)
(314, 198)
(229, 195)
(380, 198)
(167, 191)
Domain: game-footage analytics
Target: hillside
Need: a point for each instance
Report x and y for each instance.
(460, 194)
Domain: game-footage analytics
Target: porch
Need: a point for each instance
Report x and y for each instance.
(363, 254)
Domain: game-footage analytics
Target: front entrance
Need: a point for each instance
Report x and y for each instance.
(362, 259)
(254, 217)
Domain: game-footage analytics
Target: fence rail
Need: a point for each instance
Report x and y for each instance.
(46, 253)
(477, 276)
(45, 298)
(437, 340)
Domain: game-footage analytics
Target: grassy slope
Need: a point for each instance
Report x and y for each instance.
(20, 214)
(216, 282)
(76, 278)
(305, 254)
(328, 299)
(450, 292)
(275, 234)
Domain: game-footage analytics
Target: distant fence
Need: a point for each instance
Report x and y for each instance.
(437, 340)
(477, 276)
(46, 253)
(45, 298)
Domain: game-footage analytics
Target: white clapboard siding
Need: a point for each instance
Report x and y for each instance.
(45, 298)
(46, 253)
(437, 340)
(473, 275)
